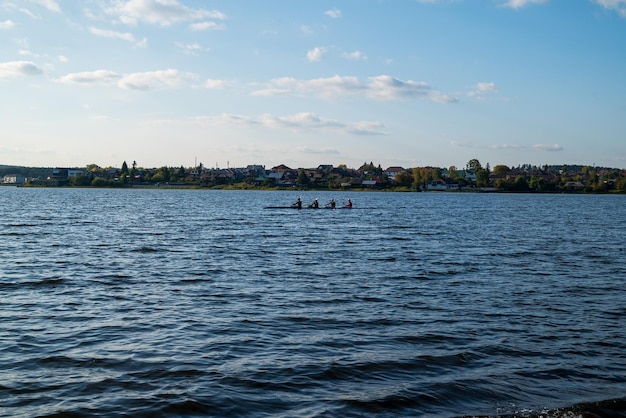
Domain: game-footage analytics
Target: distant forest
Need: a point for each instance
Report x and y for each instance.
(523, 178)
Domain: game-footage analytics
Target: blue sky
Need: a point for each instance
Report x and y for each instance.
(231, 83)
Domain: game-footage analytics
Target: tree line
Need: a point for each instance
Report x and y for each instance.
(523, 178)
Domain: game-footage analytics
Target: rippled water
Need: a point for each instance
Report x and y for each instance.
(202, 303)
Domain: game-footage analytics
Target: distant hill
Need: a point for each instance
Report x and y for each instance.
(30, 172)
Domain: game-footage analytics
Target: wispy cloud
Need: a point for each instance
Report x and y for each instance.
(190, 49)
(7, 24)
(30, 14)
(618, 5)
(153, 79)
(126, 36)
(382, 87)
(15, 69)
(200, 26)
(213, 84)
(482, 89)
(547, 147)
(51, 5)
(518, 4)
(90, 77)
(303, 121)
(534, 147)
(356, 56)
(312, 150)
(160, 12)
(134, 81)
(520, 147)
(333, 13)
(316, 54)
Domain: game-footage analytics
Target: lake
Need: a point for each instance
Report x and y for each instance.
(128, 302)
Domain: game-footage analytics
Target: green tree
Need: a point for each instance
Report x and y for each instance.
(417, 178)
(370, 170)
(620, 184)
(100, 182)
(303, 179)
(482, 177)
(537, 184)
(474, 165)
(161, 174)
(520, 184)
(124, 168)
(81, 180)
(500, 170)
(403, 178)
(423, 175)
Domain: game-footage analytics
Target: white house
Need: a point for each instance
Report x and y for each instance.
(13, 179)
(392, 172)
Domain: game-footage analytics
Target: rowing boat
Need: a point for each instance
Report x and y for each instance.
(305, 207)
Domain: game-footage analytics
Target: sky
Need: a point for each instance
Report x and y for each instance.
(408, 83)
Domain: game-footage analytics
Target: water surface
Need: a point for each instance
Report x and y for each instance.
(202, 303)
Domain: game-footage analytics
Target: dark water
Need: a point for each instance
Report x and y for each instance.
(202, 303)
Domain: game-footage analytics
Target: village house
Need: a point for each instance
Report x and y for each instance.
(281, 175)
(65, 173)
(441, 185)
(14, 179)
(392, 172)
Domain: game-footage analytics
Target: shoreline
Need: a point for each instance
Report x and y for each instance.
(239, 187)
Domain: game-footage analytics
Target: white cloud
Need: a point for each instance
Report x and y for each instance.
(618, 5)
(152, 79)
(14, 69)
(356, 55)
(90, 77)
(535, 147)
(51, 5)
(316, 54)
(7, 24)
(126, 36)
(547, 147)
(133, 81)
(191, 49)
(482, 89)
(30, 14)
(311, 150)
(334, 13)
(160, 12)
(306, 30)
(386, 87)
(303, 121)
(518, 4)
(215, 84)
(200, 26)
(382, 87)
(62, 58)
